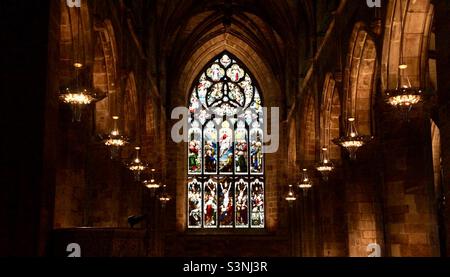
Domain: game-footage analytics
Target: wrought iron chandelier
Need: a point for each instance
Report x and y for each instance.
(305, 182)
(290, 195)
(152, 183)
(136, 165)
(325, 166)
(115, 141)
(164, 197)
(404, 96)
(352, 141)
(78, 97)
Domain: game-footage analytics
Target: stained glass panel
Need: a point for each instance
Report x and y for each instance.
(210, 204)
(241, 148)
(242, 204)
(195, 204)
(225, 154)
(210, 148)
(235, 73)
(225, 60)
(257, 198)
(215, 72)
(226, 148)
(256, 156)
(226, 203)
(194, 151)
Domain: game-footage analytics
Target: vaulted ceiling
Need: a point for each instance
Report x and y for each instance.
(270, 28)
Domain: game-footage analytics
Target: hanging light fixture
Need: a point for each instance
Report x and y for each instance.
(290, 195)
(151, 183)
(115, 141)
(352, 141)
(325, 166)
(164, 197)
(137, 166)
(75, 95)
(404, 96)
(305, 182)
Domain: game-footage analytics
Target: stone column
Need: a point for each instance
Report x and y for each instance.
(442, 29)
(409, 204)
(363, 209)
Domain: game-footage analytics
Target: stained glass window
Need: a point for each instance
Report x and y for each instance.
(225, 159)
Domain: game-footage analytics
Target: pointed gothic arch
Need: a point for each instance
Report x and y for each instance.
(360, 75)
(225, 187)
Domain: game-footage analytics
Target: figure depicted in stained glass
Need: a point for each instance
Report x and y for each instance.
(195, 204)
(241, 148)
(194, 154)
(226, 148)
(210, 148)
(257, 205)
(256, 150)
(226, 144)
(215, 72)
(242, 204)
(235, 73)
(210, 198)
(226, 205)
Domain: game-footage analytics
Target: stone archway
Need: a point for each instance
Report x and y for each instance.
(330, 117)
(131, 108)
(359, 83)
(105, 74)
(265, 79)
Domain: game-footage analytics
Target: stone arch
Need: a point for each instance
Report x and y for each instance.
(330, 116)
(239, 48)
(432, 62)
(131, 107)
(105, 73)
(292, 149)
(270, 90)
(359, 83)
(308, 136)
(417, 18)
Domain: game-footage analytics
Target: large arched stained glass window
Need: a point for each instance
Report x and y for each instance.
(225, 158)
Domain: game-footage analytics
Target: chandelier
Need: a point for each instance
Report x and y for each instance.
(137, 166)
(305, 182)
(325, 166)
(405, 96)
(151, 183)
(352, 141)
(290, 196)
(77, 96)
(164, 197)
(115, 141)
